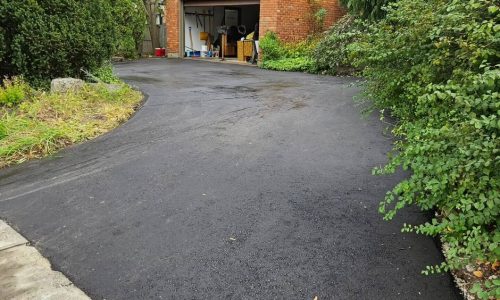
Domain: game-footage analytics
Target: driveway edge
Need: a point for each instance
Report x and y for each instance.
(26, 274)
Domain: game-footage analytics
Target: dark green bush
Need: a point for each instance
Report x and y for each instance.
(331, 56)
(130, 23)
(54, 38)
(434, 65)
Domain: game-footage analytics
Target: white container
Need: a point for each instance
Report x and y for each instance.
(204, 50)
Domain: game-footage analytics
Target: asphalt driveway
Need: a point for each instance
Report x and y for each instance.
(230, 183)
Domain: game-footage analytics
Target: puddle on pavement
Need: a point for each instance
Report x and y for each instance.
(234, 89)
(141, 79)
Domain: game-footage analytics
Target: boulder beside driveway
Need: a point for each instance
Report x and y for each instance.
(64, 85)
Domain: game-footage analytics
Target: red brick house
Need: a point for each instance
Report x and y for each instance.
(290, 19)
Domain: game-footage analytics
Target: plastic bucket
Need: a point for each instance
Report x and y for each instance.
(159, 52)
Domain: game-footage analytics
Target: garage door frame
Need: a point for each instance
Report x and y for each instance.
(189, 3)
(201, 3)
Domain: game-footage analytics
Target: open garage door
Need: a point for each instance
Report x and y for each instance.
(204, 19)
(200, 3)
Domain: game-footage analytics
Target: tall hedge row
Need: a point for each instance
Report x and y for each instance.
(43, 39)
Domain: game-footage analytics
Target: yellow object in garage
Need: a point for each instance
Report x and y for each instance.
(245, 49)
(203, 36)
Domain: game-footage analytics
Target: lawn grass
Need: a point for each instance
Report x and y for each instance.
(45, 123)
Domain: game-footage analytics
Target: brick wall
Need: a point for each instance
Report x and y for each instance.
(292, 20)
(295, 18)
(172, 20)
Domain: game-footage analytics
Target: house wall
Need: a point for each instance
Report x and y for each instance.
(292, 20)
(173, 20)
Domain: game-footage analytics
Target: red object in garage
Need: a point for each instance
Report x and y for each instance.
(160, 52)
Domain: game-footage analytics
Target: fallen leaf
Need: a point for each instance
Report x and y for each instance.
(478, 274)
(495, 265)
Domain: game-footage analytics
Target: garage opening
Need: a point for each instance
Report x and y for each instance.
(221, 29)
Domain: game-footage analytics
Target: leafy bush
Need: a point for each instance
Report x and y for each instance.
(271, 47)
(12, 92)
(331, 56)
(435, 65)
(54, 38)
(366, 9)
(130, 23)
(277, 55)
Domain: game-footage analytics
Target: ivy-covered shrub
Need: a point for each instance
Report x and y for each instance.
(130, 23)
(54, 38)
(331, 56)
(435, 66)
(280, 56)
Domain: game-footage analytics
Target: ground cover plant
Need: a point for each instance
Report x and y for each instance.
(36, 123)
(434, 66)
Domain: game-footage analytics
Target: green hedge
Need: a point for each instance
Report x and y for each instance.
(54, 38)
(130, 23)
(434, 65)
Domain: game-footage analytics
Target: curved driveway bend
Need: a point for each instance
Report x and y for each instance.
(230, 183)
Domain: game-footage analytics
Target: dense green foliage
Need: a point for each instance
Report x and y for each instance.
(326, 54)
(434, 65)
(130, 23)
(54, 38)
(366, 9)
(279, 56)
(331, 56)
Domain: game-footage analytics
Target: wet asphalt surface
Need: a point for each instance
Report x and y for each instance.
(230, 183)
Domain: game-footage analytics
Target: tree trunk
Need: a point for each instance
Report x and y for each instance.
(151, 7)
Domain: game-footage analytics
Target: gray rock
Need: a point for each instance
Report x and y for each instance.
(63, 85)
